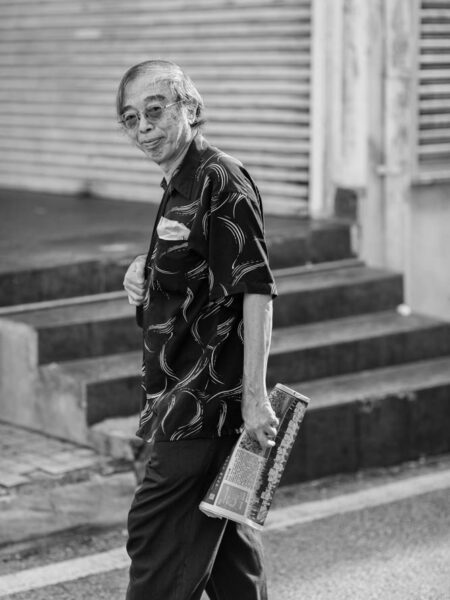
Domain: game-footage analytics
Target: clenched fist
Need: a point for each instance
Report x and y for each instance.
(260, 420)
(134, 280)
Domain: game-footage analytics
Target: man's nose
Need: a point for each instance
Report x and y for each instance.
(144, 124)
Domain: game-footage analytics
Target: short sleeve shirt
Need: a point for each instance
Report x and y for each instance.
(208, 250)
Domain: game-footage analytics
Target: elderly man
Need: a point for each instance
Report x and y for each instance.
(204, 300)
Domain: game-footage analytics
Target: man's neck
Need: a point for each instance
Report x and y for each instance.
(169, 170)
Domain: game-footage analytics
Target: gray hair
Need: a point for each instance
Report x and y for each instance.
(179, 83)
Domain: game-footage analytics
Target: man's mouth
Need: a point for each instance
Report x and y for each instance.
(151, 143)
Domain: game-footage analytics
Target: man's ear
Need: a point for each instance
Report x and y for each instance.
(192, 113)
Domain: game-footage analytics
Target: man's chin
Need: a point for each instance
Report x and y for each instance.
(154, 154)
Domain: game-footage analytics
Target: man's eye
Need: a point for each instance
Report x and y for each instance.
(153, 111)
(129, 120)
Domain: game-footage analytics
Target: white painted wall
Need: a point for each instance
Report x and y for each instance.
(427, 272)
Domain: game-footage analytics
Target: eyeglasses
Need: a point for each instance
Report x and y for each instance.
(152, 113)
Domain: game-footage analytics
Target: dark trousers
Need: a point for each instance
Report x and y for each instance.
(176, 551)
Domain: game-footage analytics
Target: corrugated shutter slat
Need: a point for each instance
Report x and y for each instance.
(434, 87)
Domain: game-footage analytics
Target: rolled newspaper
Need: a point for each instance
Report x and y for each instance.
(244, 487)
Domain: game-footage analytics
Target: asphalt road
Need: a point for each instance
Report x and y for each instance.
(394, 551)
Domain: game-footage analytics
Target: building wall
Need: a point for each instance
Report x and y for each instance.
(428, 250)
(402, 225)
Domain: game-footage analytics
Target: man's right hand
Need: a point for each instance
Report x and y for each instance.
(134, 281)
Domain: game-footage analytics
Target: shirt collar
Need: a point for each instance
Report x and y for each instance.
(183, 178)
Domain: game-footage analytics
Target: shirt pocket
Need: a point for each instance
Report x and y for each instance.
(175, 266)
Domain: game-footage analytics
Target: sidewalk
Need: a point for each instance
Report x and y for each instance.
(48, 485)
(27, 457)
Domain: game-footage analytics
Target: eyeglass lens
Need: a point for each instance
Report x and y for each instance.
(151, 113)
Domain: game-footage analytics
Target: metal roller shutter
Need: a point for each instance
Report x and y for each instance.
(434, 89)
(61, 61)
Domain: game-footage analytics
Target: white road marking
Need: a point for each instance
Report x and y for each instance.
(60, 572)
(278, 519)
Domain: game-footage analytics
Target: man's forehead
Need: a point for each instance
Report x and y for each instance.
(147, 87)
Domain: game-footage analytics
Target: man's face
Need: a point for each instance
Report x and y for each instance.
(165, 139)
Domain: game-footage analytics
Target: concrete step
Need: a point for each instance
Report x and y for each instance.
(105, 324)
(364, 420)
(372, 419)
(333, 290)
(75, 278)
(316, 242)
(81, 327)
(73, 395)
(94, 261)
(351, 344)
(94, 389)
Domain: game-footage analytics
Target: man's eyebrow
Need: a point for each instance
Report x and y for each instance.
(153, 98)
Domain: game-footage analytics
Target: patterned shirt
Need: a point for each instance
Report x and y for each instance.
(207, 250)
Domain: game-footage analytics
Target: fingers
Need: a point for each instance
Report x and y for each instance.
(271, 418)
(264, 440)
(134, 281)
(135, 293)
(135, 300)
(135, 274)
(260, 421)
(270, 432)
(269, 436)
(264, 435)
(133, 288)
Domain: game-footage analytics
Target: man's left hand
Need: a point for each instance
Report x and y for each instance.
(260, 421)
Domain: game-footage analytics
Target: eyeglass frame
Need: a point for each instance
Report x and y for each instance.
(139, 116)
